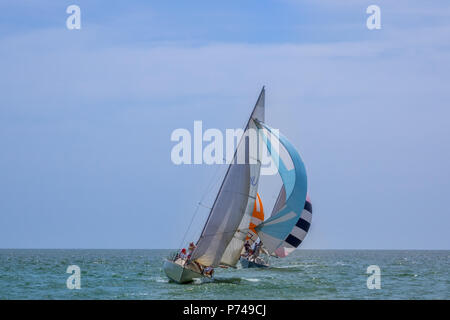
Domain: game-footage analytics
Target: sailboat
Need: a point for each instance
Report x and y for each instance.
(291, 215)
(227, 226)
(258, 258)
(251, 256)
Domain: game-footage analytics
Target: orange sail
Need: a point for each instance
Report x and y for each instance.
(257, 218)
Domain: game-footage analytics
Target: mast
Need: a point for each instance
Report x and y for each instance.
(261, 95)
(230, 203)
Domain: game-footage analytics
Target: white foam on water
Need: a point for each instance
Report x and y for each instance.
(294, 266)
(252, 279)
(137, 294)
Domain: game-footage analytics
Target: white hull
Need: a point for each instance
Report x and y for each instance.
(180, 273)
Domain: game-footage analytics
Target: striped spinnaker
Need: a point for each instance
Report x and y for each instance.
(280, 234)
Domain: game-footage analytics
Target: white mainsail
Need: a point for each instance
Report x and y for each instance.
(233, 251)
(224, 232)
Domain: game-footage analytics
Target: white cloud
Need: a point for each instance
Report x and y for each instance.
(51, 65)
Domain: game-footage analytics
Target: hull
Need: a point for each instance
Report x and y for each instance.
(251, 264)
(179, 273)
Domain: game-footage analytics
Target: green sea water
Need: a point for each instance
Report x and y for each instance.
(306, 274)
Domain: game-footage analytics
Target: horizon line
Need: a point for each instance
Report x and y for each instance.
(359, 249)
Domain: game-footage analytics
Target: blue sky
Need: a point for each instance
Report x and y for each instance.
(86, 116)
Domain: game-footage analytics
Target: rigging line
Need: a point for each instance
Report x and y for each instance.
(223, 180)
(201, 204)
(229, 166)
(233, 161)
(241, 193)
(189, 226)
(225, 232)
(198, 206)
(208, 187)
(258, 161)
